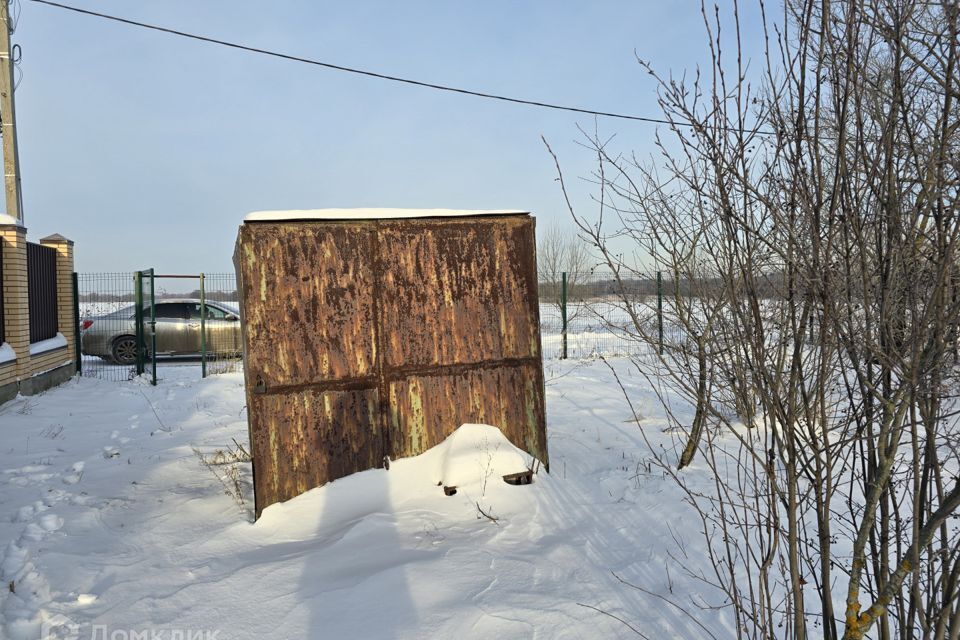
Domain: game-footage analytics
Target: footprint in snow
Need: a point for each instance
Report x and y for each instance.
(38, 530)
(27, 513)
(12, 560)
(30, 474)
(30, 468)
(56, 495)
(26, 481)
(110, 452)
(74, 473)
(51, 522)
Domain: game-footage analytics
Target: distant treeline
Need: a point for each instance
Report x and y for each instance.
(579, 287)
(94, 296)
(585, 287)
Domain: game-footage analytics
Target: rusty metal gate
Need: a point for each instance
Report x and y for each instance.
(369, 338)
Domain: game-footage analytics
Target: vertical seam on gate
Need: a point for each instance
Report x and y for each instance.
(383, 400)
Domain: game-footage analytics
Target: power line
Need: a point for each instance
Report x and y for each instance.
(364, 72)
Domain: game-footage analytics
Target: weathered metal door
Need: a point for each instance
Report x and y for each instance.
(460, 334)
(313, 399)
(372, 338)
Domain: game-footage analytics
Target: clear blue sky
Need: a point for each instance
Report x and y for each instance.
(147, 150)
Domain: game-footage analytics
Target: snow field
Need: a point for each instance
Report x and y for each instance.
(109, 521)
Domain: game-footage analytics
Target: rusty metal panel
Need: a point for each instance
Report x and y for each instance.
(380, 337)
(305, 438)
(458, 291)
(307, 301)
(425, 409)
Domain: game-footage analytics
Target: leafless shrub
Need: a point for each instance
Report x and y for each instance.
(813, 222)
(224, 463)
(53, 431)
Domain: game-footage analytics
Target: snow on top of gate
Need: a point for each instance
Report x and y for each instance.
(374, 214)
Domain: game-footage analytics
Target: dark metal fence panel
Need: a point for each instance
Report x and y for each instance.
(78, 357)
(3, 331)
(42, 291)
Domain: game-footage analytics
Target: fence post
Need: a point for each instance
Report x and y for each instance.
(76, 324)
(660, 311)
(138, 319)
(563, 314)
(153, 326)
(203, 329)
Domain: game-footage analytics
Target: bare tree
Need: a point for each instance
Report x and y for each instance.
(814, 225)
(560, 251)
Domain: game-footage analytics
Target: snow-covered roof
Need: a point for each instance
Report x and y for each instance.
(373, 214)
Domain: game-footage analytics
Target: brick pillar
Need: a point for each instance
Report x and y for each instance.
(16, 306)
(65, 300)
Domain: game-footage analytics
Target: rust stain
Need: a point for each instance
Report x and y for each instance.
(307, 296)
(306, 438)
(458, 291)
(371, 338)
(426, 409)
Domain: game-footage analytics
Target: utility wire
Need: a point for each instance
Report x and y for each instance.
(372, 74)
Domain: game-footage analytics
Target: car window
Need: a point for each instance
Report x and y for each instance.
(213, 313)
(168, 310)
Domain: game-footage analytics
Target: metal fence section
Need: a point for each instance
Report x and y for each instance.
(221, 323)
(586, 315)
(42, 291)
(106, 310)
(185, 320)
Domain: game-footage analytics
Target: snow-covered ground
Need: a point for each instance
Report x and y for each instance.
(111, 526)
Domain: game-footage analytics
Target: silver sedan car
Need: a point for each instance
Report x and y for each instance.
(112, 336)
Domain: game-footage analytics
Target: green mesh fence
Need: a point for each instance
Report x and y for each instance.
(197, 320)
(222, 325)
(106, 310)
(193, 322)
(604, 316)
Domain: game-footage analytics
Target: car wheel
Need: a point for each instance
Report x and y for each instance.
(124, 350)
